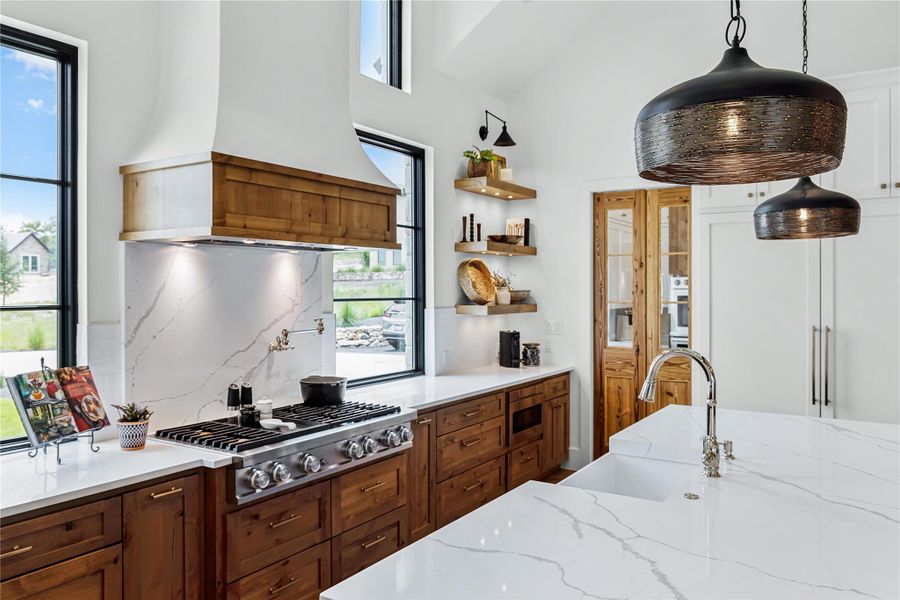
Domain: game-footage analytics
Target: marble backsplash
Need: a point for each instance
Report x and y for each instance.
(197, 319)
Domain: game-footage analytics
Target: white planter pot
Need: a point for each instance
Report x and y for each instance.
(503, 296)
(133, 435)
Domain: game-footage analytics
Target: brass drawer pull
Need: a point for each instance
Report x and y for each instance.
(281, 588)
(157, 495)
(526, 459)
(293, 517)
(16, 550)
(480, 483)
(468, 443)
(374, 486)
(423, 421)
(374, 542)
(473, 413)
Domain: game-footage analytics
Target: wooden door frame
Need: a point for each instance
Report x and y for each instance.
(598, 187)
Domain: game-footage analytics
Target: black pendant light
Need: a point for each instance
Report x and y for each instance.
(806, 211)
(504, 139)
(741, 123)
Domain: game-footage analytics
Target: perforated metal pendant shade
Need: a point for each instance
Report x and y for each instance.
(806, 211)
(741, 123)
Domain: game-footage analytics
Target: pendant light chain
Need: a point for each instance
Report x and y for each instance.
(740, 25)
(805, 49)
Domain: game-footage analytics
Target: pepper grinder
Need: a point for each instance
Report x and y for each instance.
(246, 394)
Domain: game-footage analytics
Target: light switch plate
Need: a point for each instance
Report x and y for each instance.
(554, 327)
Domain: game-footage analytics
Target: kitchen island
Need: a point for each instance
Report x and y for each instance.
(809, 508)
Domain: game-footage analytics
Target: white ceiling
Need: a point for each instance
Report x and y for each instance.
(508, 45)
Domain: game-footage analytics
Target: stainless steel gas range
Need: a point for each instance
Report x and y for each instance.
(327, 440)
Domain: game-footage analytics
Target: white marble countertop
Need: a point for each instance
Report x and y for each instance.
(30, 483)
(429, 391)
(810, 508)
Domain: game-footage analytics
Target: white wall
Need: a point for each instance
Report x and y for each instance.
(580, 114)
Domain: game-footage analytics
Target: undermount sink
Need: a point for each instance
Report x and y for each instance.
(629, 476)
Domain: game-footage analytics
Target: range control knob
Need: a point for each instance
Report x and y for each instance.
(369, 445)
(390, 438)
(353, 450)
(310, 463)
(258, 479)
(406, 434)
(279, 472)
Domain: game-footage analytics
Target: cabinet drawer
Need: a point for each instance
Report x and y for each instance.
(556, 386)
(524, 464)
(42, 541)
(468, 447)
(363, 546)
(468, 413)
(261, 534)
(302, 576)
(466, 492)
(93, 576)
(368, 493)
(525, 391)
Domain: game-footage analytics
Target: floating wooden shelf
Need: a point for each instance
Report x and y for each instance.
(495, 188)
(488, 247)
(483, 310)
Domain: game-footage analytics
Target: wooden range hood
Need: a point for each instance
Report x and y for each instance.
(217, 198)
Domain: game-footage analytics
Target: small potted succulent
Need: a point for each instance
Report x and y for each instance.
(481, 162)
(132, 425)
(502, 285)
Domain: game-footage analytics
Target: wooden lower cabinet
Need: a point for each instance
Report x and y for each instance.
(268, 531)
(163, 544)
(524, 464)
(466, 492)
(302, 576)
(363, 546)
(422, 477)
(368, 492)
(556, 433)
(93, 576)
(470, 446)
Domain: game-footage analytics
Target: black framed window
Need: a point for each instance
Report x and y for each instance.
(38, 78)
(379, 295)
(380, 37)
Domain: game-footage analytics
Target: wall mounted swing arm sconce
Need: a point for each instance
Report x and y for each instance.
(504, 139)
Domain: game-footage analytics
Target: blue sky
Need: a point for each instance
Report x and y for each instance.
(373, 39)
(28, 133)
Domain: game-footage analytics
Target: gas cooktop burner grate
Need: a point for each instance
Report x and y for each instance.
(228, 435)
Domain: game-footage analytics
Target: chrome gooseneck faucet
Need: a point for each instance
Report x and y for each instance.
(710, 456)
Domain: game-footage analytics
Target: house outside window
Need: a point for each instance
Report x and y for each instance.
(380, 35)
(379, 295)
(37, 215)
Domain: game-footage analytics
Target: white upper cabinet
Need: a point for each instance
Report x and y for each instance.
(728, 197)
(895, 140)
(865, 170)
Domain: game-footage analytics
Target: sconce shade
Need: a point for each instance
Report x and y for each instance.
(806, 211)
(741, 123)
(504, 139)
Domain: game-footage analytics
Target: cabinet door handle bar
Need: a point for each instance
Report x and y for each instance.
(293, 517)
(275, 590)
(469, 488)
(469, 443)
(374, 486)
(16, 550)
(158, 495)
(374, 542)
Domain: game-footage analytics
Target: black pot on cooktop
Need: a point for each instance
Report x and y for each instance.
(320, 390)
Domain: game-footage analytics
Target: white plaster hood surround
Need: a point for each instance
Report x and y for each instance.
(267, 81)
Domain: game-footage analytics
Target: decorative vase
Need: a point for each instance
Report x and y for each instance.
(132, 434)
(503, 296)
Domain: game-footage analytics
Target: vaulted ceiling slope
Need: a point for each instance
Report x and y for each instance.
(501, 46)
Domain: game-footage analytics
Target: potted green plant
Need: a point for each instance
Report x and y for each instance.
(133, 423)
(481, 162)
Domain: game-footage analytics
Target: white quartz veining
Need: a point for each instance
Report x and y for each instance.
(809, 509)
(198, 319)
(429, 391)
(31, 483)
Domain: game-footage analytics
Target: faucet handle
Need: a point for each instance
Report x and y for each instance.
(728, 446)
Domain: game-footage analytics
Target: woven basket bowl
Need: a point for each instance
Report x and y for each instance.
(476, 282)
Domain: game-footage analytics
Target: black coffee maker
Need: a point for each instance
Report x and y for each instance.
(509, 349)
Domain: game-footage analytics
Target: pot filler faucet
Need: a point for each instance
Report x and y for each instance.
(710, 456)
